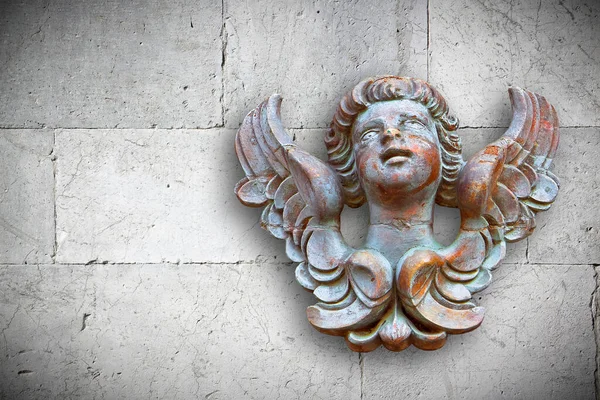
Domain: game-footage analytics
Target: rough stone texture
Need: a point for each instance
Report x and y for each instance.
(535, 343)
(570, 232)
(74, 332)
(312, 51)
(165, 331)
(479, 48)
(233, 326)
(134, 64)
(26, 196)
(153, 196)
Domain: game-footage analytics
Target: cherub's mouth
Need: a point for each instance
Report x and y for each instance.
(395, 156)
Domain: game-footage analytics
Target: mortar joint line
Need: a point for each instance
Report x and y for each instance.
(428, 54)
(594, 310)
(251, 262)
(53, 158)
(223, 61)
(222, 126)
(165, 263)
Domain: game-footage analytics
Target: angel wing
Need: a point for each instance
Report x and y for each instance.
(500, 190)
(302, 202)
(514, 170)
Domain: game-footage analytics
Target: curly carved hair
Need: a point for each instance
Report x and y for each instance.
(384, 88)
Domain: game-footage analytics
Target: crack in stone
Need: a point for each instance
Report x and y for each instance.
(428, 55)
(83, 324)
(361, 364)
(223, 61)
(53, 158)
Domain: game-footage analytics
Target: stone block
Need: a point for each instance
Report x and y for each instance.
(165, 331)
(536, 342)
(26, 196)
(134, 64)
(152, 196)
(569, 232)
(313, 51)
(478, 49)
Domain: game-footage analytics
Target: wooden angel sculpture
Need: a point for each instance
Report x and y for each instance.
(393, 144)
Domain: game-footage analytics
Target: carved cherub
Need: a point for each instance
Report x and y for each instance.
(393, 144)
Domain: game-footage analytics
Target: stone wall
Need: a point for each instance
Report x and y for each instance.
(130, 270)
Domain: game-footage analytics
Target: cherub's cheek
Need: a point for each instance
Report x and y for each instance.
(366, 159)
(370, 167)
(431, 156)
(427, 152)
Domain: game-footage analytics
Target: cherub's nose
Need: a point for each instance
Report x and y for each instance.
(390, 133)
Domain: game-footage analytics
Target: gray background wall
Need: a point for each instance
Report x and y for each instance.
(130, 270)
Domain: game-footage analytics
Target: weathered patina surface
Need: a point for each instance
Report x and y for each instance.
(393, 145)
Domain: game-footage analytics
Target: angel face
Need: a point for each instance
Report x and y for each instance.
(397, 150)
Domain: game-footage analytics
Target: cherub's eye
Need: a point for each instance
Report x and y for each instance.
(414, 122)
(368, 135)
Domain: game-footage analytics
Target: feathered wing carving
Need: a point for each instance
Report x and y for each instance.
(302, 202)
(514, 170)
(499, 192)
